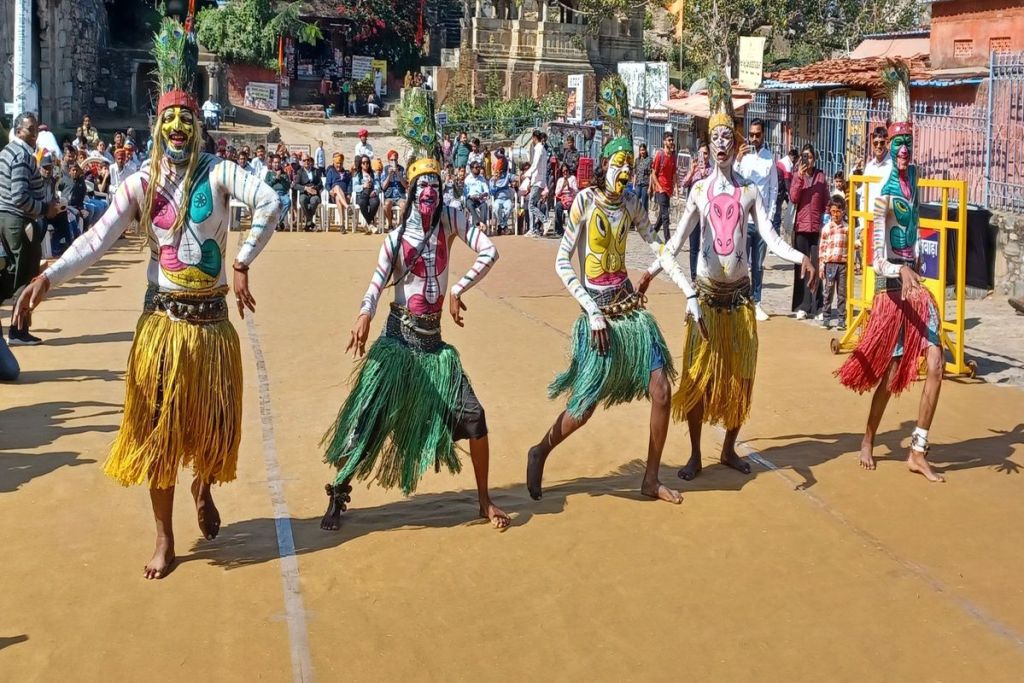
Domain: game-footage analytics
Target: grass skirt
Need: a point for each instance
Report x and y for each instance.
(719, 371)
(620, 376)
(182, 406)
(893, 324)
(397, 418)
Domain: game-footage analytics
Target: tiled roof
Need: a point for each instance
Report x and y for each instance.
(861, 73)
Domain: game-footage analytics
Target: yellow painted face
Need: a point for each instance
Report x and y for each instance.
(177, 128)
(616, 178)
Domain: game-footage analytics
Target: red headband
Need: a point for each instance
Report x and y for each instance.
(901, 128)
(176, 98)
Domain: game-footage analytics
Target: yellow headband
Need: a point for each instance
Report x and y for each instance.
(721, 119)
(422, 167)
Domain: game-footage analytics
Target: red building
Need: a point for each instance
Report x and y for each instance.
(965, 32)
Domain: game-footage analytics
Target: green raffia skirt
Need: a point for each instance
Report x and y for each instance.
(636, 349)
(402, 414)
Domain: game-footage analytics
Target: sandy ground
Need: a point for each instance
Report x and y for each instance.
(807, 569)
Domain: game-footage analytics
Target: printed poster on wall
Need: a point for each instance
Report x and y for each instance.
(380, 75)
(261, 96)
(574, 99)
(361, 65)
(929, 253)
(751, 61)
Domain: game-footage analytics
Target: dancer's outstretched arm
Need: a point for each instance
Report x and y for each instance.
(227, 178)
(688, 222)
(563, 265)
(95, 242)
(381, 274)
(879, 256)
(774, 241)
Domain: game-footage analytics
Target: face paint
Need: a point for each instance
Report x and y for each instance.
(723, 140)
(616, 177)
(427, 193)
(177, 128)
(901, 149)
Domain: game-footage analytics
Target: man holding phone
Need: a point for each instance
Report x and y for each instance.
(755, 165)
(809, 194)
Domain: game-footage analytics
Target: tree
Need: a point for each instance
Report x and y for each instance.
(820, 28)
(247, 31)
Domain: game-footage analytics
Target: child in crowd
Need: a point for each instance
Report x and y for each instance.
(832, 257)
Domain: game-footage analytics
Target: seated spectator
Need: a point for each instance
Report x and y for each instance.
(243, 161)
(259, 164)
(131, 159)
(367, 188)
(71, 190)
(130, 136)
(282, 185)
(119, 170)
(475, 153)
(502, 190)
(61, 235)
(566, 190)
(394, 185)
(571, 155)
(339, 183)
(90, 134)
(118, 140)
(372, 104)
(308, 180)
(475, 193)
(211, 114)
(101, 148)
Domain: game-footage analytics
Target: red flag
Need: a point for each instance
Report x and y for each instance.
(419, 26)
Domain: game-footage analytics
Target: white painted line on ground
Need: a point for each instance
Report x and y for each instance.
(295, 610)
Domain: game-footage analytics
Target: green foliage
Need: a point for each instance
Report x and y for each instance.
(493, 85)
(364, 86)
(247, 31)
(503, 118)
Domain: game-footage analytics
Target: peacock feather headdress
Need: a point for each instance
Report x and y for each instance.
(416, 123)
(176, 53)
(613, 105)
(896, 79)
(720, 100)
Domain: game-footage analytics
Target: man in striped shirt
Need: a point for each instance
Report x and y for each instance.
(22, 200)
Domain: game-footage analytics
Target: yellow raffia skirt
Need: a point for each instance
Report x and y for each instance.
(183, 394)
(719, 371)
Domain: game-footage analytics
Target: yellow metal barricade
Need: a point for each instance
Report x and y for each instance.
(934, 234)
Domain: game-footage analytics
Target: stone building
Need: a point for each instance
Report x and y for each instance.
(67, 37)
(534, 47)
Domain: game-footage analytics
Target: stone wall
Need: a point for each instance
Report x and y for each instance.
(118, 80)
(1009, 259)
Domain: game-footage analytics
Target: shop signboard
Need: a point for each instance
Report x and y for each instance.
(261, 96)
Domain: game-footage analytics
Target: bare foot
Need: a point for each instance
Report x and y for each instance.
(659, 491)
(867, 460)
(535, 460)
(498, 518)
(163, 560)
(731, 459)
(918, 463)
(338, 496)
(206, 511)
(692, 468)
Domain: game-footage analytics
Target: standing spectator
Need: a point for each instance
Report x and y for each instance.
(339, 184)
(566, 190)
(663, 181)
(320, 158)
(259, 164)
(833, 253)
(809, 194)
(755, 165)
(789, 162)
(699, 170)
(536, 177)
(208, 143)
(276, 177)
(879, 166)
(501, 190)
(394, 185)
(363, 147)
(446, 148)
(367, 187)
(476, 192)
(310, 183)
(343, 101)
(476, 154)
(22, 201)
(642, 176)
(571, 155)
(325, 90)
(90, 134)
(460, 153)
(428, 82)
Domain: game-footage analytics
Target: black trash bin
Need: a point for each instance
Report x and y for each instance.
(981, 245)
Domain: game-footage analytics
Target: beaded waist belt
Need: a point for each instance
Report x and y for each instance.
(727, 295)
(422, 332)
(197, 308)
(616, 303)
(891, 284)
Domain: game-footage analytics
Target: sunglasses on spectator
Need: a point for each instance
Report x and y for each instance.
(878, 143)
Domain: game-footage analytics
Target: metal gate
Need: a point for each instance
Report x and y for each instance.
(1004, 158)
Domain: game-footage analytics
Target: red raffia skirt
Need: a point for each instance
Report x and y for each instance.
(898, 329)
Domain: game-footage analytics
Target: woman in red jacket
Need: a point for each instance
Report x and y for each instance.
(808, 192)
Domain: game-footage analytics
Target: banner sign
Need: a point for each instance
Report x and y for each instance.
(361, 65)
(646, 83)
(380, 75)
(574, 99)
(751, 61)
(261, 96)
(929, 253)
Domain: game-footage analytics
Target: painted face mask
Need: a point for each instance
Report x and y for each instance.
(901, 149)
(177, 129)
(616, 178)
(723, 141)
(427, 193)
